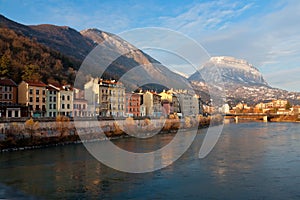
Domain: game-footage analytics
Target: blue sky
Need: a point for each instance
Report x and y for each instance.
(266, 33)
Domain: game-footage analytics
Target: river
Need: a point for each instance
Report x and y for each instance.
(250, 161)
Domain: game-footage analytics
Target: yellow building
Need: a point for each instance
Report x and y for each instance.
(65, 101)
(33, 95)
(166, 95)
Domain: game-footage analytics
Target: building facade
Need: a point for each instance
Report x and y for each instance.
(148, 103)
(52, 100)
(111, 99)
(8, 91)
(189, 104)
(91, 94)
(33, 95)
(65, 101)
(80, 104)
(132, 104)
(8, 100)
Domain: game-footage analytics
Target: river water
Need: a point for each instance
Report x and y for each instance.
(250, 161)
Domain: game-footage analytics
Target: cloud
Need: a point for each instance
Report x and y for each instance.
(209, 15)
(268, 39)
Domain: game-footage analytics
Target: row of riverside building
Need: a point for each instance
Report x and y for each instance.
(103, 98)
(37, 99)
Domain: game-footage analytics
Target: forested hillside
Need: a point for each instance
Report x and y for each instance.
(22, 58)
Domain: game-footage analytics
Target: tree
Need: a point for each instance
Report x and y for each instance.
(62, 124)
(288, 105)
(5, 65)
(31, 126)
(31, 72)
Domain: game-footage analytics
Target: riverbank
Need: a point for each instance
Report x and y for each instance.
(34, 135)
(280, 118)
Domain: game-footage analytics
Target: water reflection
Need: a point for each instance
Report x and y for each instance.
(251, 160)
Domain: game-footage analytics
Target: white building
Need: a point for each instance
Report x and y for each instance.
(80, 108)
(52, 100)
(65, 99)
(188, 103)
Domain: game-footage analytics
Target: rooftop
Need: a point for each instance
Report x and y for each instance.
(36, 83)
(7, 82)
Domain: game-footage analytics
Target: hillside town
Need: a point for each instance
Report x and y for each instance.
(108, 98)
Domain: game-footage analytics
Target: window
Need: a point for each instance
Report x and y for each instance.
(9, 113)
(50, 99)
(54, 106)
(68, 106)
(63, 106)
(37, 107)
(68, 98)
(37, 99)
(44, 100)
(5, 96)
(63, 97)
(50, 92)
(30, 99)
(54, 92)
(9, 96)
(54, 99)
(31, 91)
(44, 92)
(1, 96)
(50, 106)
(37, 92)
(16, 113)
(50, 114)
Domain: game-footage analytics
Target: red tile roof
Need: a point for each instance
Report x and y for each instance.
(36, 83)
(7, 82)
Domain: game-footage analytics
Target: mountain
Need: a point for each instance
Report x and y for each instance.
(238, 80)
(63, 39)
(141, 67)
(232, 71)
(74, 46)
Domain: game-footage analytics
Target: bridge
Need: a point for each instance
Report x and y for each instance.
(258, 116)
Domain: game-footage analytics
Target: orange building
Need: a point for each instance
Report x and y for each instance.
(132, 104)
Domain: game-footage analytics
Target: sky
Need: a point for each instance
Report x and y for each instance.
(266, 33)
